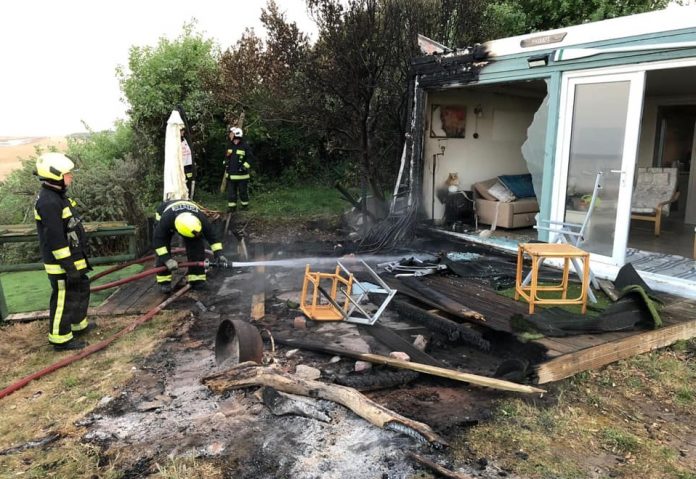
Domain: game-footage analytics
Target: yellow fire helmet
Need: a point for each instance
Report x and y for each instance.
(53, 166)
(188, 225)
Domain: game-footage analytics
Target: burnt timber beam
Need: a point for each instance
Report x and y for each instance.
(421, 368)
(452, 330)
(425, 294)
(250, 374)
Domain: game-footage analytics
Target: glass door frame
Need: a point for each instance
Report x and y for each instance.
(634, 113)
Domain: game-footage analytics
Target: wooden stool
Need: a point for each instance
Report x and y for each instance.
(537, 251)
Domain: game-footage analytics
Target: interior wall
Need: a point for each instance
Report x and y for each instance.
(648, 126)
(501, 127)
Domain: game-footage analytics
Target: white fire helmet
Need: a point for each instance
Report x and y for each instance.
(53, 166)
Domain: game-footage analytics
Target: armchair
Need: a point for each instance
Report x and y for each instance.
(655, 190)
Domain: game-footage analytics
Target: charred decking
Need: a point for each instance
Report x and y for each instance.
(475, 304)
(566, 355)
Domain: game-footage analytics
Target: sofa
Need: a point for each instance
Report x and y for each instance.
(506, 201)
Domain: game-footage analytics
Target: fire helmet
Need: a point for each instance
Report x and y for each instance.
(188, 225)
(237, 132)
(53, 166)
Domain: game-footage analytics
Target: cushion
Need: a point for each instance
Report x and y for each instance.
(501, 193)
(654, 179)
(482, 187)
(525, 205)
(520, 185)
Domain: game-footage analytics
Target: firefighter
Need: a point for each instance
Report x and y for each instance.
(237, 166)
(64, 251)
(186, 218)
(187, 158)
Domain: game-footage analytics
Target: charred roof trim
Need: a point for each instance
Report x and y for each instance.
(442, 70)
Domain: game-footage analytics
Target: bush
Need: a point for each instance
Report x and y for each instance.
(109, 185)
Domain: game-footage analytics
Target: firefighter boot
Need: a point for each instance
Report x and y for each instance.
(70, 345)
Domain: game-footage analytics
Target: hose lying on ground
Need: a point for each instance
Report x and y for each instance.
(103, 344)
(142, 274)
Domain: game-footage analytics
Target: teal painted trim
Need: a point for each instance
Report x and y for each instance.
(554, 92)
(513, 67)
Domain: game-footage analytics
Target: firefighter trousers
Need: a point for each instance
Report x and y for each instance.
(68, 307)
(237, 189)
(195, 251)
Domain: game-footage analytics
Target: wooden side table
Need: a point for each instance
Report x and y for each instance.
(538, 251)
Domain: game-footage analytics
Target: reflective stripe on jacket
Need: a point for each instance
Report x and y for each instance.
(62, 236)
(238, 159)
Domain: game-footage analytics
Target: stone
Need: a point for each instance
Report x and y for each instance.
(420, 342)
(300, 322)
(399, 355)
(362, 366)
(307, 372)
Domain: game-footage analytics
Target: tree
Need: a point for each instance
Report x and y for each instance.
(264, 80)
(360, 72)
(159, 80)
(516, 17)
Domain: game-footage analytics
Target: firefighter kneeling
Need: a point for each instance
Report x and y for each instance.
(186, 218)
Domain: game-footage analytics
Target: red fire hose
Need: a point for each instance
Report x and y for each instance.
(102, 344)
(144, 259)
(120, 266)
(93, 348)
(143, 274)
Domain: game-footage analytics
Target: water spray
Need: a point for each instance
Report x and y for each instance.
(316, 261)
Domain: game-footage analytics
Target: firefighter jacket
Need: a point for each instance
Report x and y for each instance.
(237, 158)
(62, 237)
(164, 229)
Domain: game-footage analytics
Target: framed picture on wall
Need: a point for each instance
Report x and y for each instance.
(448, 121)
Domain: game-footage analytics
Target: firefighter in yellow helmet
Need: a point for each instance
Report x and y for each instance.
(64, 251)
(186, 218)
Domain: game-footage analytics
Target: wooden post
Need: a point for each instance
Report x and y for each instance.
(4, 312)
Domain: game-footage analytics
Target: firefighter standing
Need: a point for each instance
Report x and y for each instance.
(64, 250)
(186, 218)
(237, 166)
(187, 157)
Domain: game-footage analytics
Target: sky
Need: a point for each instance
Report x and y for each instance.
(59, 57)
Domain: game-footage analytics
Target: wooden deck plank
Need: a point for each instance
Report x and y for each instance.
(112, 303)
(603, 354)
(148, 297)
(258, 299)
(125, 297)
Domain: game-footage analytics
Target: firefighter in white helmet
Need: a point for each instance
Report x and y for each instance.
(237, 166)
(186, 218)
(64, 251)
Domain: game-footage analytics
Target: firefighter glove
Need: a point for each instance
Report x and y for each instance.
(171, 264)
(222, 261)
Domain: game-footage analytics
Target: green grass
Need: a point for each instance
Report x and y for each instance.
(30, 290)
(596, 414)
(283, 202)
